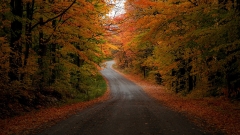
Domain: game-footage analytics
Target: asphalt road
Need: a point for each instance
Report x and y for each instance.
(128, 112)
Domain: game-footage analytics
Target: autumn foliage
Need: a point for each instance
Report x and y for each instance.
(50, 52)
(190, 46)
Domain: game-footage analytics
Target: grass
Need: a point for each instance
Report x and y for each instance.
(95, 89)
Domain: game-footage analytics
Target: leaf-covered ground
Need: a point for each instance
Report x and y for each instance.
(33, 122)
(213, 114)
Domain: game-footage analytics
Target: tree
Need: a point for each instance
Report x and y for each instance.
(192, 43)
(51, 52)
(15, 44)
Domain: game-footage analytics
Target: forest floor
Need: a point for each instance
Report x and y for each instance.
(35, 121)
(211, 113)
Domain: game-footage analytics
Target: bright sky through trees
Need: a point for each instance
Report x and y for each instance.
(118, 8)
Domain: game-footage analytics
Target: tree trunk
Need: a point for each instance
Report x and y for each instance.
(29, 10)
(238, 5)
(78, 78)
(42, 53)
(15, 61)
(53, 55)
(29, 6)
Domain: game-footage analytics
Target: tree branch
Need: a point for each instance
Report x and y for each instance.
(49, 38)
(194, 3)
(43, 23)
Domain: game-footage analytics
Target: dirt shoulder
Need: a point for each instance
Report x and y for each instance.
(213, 114)
(33, 122)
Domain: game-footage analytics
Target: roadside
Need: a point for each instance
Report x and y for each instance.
(33, 122)
(212, 114)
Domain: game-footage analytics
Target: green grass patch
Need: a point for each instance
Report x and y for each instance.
(92, 88)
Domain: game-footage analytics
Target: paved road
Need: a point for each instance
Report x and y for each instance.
(129, 112)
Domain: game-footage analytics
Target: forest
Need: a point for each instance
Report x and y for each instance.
(189, 46)
(51, 50)
(50, 53)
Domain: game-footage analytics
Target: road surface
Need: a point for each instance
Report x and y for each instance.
(129, 111)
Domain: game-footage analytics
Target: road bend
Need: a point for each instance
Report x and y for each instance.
(129, 111)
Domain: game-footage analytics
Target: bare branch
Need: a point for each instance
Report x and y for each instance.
(43, 23)
(194, 3)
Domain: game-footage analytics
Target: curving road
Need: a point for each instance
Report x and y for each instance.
(129, 112)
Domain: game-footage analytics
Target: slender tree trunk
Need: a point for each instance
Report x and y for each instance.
(78, 78)
(232, 2)
(53, 55)
(42, 53)
(42, 47)
(15, 60)
(238, 5)
(144, 69)
(29, 9)
(29, 13)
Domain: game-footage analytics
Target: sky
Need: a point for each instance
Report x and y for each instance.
(118, 8)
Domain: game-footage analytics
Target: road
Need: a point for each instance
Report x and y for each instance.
(129, 111)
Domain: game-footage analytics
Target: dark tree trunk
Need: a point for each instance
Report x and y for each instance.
(15, 61)
(42, 53)
(144, 69)
(42, 57)
(29, 13)
(232, 2)
(53, 53)
(238, 5)
(78, 79)
(42, 46)
(29, 9)
(190, 83)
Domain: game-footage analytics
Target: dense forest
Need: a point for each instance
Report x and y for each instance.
(190, 46)
(50, 52)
